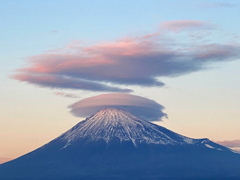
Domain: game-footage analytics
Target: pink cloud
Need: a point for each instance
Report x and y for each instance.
(128, 61)
(50, 63)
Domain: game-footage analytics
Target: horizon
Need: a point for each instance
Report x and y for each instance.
(63, 60)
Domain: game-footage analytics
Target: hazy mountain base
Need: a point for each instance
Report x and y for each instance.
(122, 161)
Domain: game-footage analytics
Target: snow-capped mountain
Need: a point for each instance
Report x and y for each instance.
(109, 124)
(114, 144)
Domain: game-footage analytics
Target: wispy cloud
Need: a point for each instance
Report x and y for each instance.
(55, 31)
(231, 144)
(139, 106)
(69, 95)
(128, 61)
(180, 25)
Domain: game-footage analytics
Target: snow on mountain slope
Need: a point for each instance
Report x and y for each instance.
(111, 123)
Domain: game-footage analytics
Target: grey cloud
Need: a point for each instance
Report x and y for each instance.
(62, 82)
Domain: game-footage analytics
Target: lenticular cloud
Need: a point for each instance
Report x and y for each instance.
(106, 66)
(139, 106)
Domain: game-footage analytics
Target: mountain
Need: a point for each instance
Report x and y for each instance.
(115, 145)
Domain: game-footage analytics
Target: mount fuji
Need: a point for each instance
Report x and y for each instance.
(115, 145)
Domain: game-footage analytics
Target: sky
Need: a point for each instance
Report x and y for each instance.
(179, 60)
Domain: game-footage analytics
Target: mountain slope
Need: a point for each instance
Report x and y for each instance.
(114, 144)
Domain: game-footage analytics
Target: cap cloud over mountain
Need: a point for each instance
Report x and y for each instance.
(142, 107)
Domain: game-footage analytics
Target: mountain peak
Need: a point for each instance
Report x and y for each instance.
(115, 125)
(110, 124)
(111, 110)
(113, 114)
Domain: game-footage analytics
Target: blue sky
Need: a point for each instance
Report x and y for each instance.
(202, 103)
